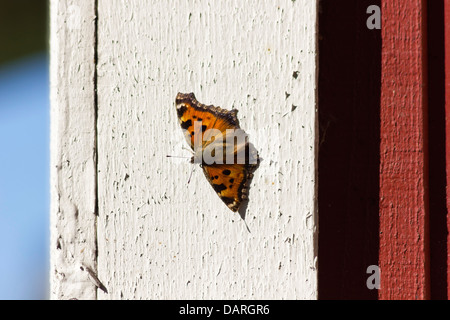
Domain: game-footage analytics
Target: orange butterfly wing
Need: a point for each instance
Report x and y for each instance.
(189, 111)
(230, 181)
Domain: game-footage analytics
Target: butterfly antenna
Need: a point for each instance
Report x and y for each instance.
(190, 150)
(190, 176)
(169, 156)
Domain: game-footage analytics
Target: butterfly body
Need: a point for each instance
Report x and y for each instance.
(220, 146)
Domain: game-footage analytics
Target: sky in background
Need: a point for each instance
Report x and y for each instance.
(24, 178)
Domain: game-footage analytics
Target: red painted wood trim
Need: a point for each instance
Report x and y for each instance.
(404, 253)
(447, 124)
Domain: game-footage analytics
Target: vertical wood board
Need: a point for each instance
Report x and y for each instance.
(404, 248)
(160, 237)
(447, 122)
(73, 159)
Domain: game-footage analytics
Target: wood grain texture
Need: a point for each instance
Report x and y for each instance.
(403, 171)
(73, 162)
(158, 236)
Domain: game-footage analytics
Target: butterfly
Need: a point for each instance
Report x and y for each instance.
(220, 146)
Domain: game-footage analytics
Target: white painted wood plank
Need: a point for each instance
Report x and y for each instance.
(160, 238)
(73, 159)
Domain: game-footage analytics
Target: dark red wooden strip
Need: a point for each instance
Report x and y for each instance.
(349, 122)
(436, 150)
(447, 111)
(404, 253)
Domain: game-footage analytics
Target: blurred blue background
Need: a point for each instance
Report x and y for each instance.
(24, 155)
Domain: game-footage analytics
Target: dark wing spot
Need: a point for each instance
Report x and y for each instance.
(186, 124)
(216, 177)
(227, 200)
(231, 180)
(212, 178)
(192, 133)
(226, 172)
(204, 128)
(195, 117)
(199, 119)
(219, 187)
(230, 186)
(181, 111)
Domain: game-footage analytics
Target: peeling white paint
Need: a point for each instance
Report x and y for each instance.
(73, 179)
